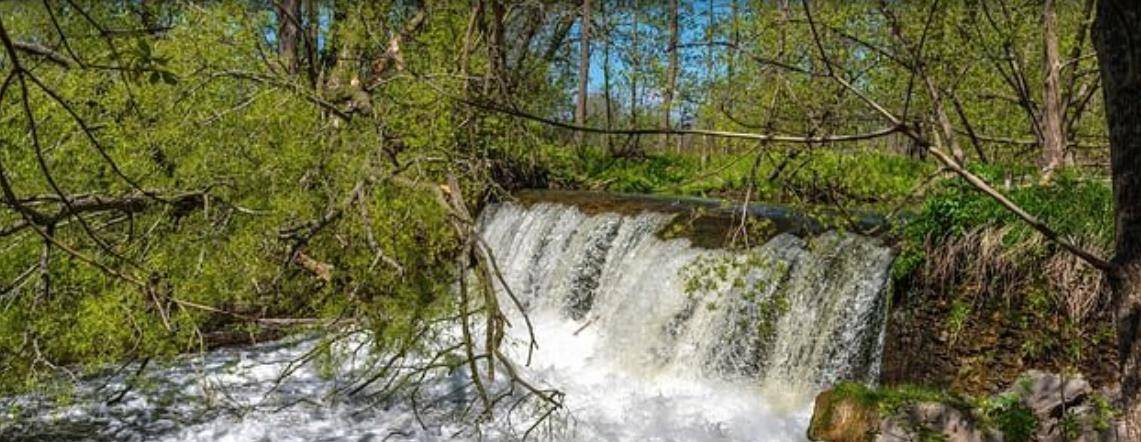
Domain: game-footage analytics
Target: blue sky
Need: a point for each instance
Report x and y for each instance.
(693, 27)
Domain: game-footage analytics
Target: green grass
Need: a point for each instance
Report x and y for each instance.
(849, 178)
(1073, 206)
(1077, 207)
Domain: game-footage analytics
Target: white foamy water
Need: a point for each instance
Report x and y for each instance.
(645, 339)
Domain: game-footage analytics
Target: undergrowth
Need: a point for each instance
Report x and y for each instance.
(986, 296)
(794, 176)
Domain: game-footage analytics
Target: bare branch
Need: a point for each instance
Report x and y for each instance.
(43, 51)
(801, 139)
(950, 163)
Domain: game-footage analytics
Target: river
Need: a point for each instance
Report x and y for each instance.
(644, 338)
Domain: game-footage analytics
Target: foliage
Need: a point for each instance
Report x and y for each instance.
(1073, 206)
(279, 181)
(1076, 206)
(1006, 413)
(848, 179)
(256, 192)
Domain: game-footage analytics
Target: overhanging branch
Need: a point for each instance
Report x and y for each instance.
(950, 163)
(785, 138)
(42, 51)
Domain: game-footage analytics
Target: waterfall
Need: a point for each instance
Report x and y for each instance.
(630, 321)
(646, 338)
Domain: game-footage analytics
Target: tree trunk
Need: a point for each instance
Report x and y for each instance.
(288, 33)
(734, 36)
(709, 72)
(1119, 54)
(497, 50)
(606, 79)
(147, 10)
(782, 19)
(1053, 137)
(1079, 90)
(946, 130)
(671, 73)
(636, 58)
(312, 29)
(583, 69)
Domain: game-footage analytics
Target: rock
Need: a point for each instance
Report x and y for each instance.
(1045, 394)
(842, 419)
(1082, 423)
(1067, 409)
(932, 421)
(1040, 407)
(845, 419)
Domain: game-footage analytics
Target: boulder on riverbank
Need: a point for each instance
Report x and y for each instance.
(838, 417)
(1040, 406)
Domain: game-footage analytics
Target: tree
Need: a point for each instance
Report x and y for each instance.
(1053, 137)
(288, 33)
(1053, 93)
(946, 135)
(1118, 52)
(635, 70)
(583, 68)
(671, 73)
(606, 93)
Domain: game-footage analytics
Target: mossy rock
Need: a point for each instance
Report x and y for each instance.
(843, 418)
(854, 412)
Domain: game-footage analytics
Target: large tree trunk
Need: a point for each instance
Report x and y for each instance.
(1116, 31)
(288, 33)
(671, 73)
(583, 69)
(1053, 137)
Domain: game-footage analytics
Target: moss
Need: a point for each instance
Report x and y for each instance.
(1004, 413)
(892, 399)
(838, 417)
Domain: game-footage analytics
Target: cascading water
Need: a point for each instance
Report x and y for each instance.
(657, 339)
(647, 339)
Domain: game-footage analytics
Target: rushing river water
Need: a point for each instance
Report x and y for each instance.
(645, 338)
